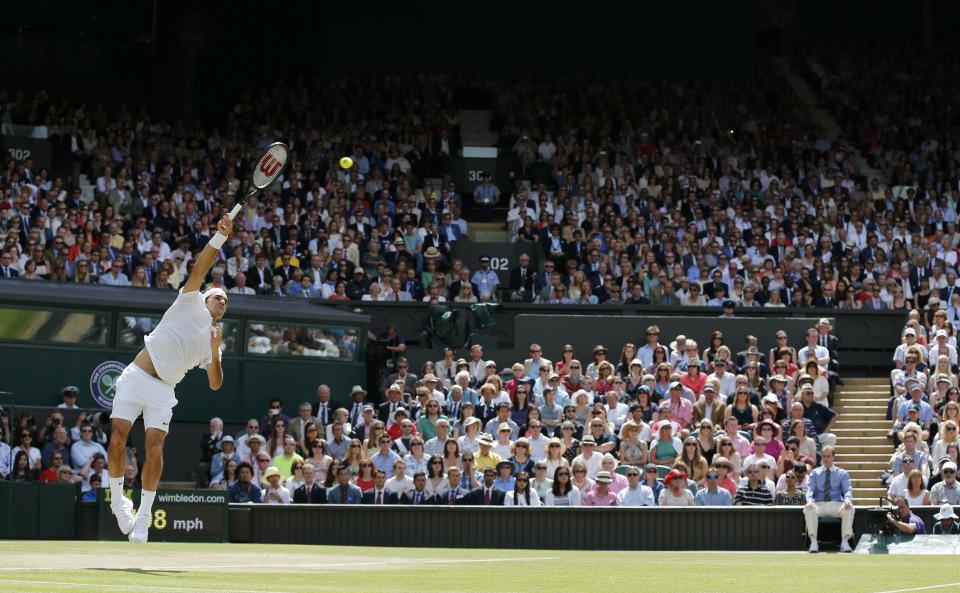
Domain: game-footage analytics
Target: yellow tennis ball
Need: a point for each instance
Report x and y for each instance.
(346, 162)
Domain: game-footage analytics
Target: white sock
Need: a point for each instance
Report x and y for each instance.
(116, 488)
(146, 502)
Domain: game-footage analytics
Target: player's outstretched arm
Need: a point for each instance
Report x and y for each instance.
(214, 369)
(208, 255)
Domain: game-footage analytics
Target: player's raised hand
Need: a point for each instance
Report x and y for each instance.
(225, 226)
(216, 335)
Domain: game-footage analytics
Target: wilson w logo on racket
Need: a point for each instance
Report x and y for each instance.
(269, 165)
(266, 171)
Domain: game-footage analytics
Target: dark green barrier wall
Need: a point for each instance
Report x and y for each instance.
(30, 510)
(868, 338)
(553, 331)
(41, 372)
(699, 528)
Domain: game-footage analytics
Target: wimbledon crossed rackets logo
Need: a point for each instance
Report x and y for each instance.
(269, 165)
(103, 382)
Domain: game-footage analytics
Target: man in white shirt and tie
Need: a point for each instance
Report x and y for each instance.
(357, 395)
(323, 408)
(379, 494)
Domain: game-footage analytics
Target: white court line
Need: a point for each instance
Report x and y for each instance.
(135, 587)
(399, 562)
(921, 588)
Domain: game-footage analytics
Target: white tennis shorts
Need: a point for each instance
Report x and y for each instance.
(138, 393)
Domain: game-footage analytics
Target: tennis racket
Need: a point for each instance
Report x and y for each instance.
(268, 168)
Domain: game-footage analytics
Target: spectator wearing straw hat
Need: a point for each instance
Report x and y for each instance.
(274, 492)
(486, 458)
(601, 495)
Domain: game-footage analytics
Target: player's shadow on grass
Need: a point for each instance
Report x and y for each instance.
(155, 573)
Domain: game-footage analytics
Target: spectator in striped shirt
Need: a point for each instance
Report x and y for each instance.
(754, 492)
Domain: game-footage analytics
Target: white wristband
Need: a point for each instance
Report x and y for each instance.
(218, 240)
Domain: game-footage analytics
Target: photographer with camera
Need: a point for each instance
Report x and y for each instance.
(53, 421)
(903, 520)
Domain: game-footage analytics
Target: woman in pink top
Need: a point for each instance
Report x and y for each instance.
(600, 495)
(693, 379)
(617, 482)
(768, 432)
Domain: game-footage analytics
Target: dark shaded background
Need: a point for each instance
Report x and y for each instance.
(193, 58)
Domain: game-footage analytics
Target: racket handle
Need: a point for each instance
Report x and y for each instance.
(234, 212)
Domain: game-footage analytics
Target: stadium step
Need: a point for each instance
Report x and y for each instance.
(870, 424)
(475, 127)
(852, 382)
(863, 448)
(488, 232)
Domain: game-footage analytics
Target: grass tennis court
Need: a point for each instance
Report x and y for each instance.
(43, 566)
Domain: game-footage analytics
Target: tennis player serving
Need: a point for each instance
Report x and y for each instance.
(188, 336)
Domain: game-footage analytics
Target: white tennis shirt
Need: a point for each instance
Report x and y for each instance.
(182, 339)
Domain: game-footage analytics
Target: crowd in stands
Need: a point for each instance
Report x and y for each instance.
(632, 191)
(669, 423)
(58, 451)
(924, 410)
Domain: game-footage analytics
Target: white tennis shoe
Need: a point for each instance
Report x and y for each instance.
(141, 526)
(122, 509)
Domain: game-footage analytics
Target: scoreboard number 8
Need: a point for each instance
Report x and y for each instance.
(159, 519)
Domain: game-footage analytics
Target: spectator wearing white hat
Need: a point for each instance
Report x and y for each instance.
(941, 347)
(947, 490)
(273, 491)
(946, 521)
(589, 457)
(601, 495)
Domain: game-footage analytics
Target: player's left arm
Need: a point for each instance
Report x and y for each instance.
(214, 369)
(207, 257)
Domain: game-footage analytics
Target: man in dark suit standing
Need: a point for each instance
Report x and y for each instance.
(486, 494)
(407, 380)
(378, 494)
(418, 495)
(577, 250)
(310, 492)
(6, 266)
(285, 270)
(711, 289)
(554, 246)
(394, 400)
(825, 338)
(522, 276)
(454, 492)
(826, 300)
(260, 275)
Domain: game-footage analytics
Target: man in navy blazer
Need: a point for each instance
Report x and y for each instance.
(486, 494)
(455, 492)
(310, 492)
(378, 494)
(344, 492)
(418, 495)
